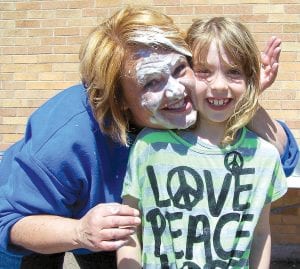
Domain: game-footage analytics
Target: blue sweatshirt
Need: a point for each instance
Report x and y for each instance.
(65, 166)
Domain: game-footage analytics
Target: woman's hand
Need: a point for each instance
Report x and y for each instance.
(107, 227)
(269, 60)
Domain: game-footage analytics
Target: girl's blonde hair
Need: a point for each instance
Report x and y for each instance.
(103, 55)
(240, 46)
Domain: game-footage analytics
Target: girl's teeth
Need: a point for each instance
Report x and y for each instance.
(218, 102)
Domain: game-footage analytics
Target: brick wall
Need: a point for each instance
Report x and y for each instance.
(39, 56)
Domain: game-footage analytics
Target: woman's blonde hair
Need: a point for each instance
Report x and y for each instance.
(103, 55)
(240, 46)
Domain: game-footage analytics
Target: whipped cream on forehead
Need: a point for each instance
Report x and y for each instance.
(155, 65)
(152, 36)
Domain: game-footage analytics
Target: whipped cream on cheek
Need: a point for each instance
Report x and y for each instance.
(165, 98)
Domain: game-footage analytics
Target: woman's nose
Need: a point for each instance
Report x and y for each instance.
(174, 89)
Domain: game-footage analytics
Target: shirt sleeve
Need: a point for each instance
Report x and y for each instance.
(278, 184)
(29, 188)
(134, 175)
(290, 156)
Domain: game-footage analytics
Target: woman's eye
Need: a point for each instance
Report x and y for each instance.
(151, 84)
(179, 70)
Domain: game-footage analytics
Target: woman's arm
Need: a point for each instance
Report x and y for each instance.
(260, 254)
(129, 255)
(269, 129)
(101, 229)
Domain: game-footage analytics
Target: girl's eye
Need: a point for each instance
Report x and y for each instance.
(235, 72)
(202, 73)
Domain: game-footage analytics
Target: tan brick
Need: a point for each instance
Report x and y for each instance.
(7, 24)
(40, 14)
(54, 76)
(25, 76)
(27, 41)
(57, 40)
(290, 104)
(8, 129)
(290, 66)
(5, 59)
(14, 33)
(284, 1)
(166, 2)
(253, 1)
(28, 5)
(268, 9)
(58, 22)
(80, 4)
(287, 56)
(5, 112)
(140, 2)
(24, 59)
(65, 67)
(36, 68)
(72, 58)
(179, 10)
(31, 94)
(70, 49)
(95, 12)
(14, 120)
(293, 9)
(40, 32)
(13, 67)
(283, 18)
(40, 49)
(72, 77)
(14, 50)
(68, 31)
(11, 138)
(238, 9)
(253, 18)
(74, 40)
(52, 58)
(291, 28)
(108, 3)
(7, 41)
(193, 2)
(28, 24)
(7, 6)
(53, 5)
(203, 11)
(67, 13)
(13, 15)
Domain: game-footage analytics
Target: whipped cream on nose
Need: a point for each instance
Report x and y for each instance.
(174, 89)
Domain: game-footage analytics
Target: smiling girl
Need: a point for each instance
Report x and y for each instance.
(205, 193)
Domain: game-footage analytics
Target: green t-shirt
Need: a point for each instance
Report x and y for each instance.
(200, 203)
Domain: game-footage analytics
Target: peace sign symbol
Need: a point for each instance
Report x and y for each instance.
(185, 196)
(234, 162)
